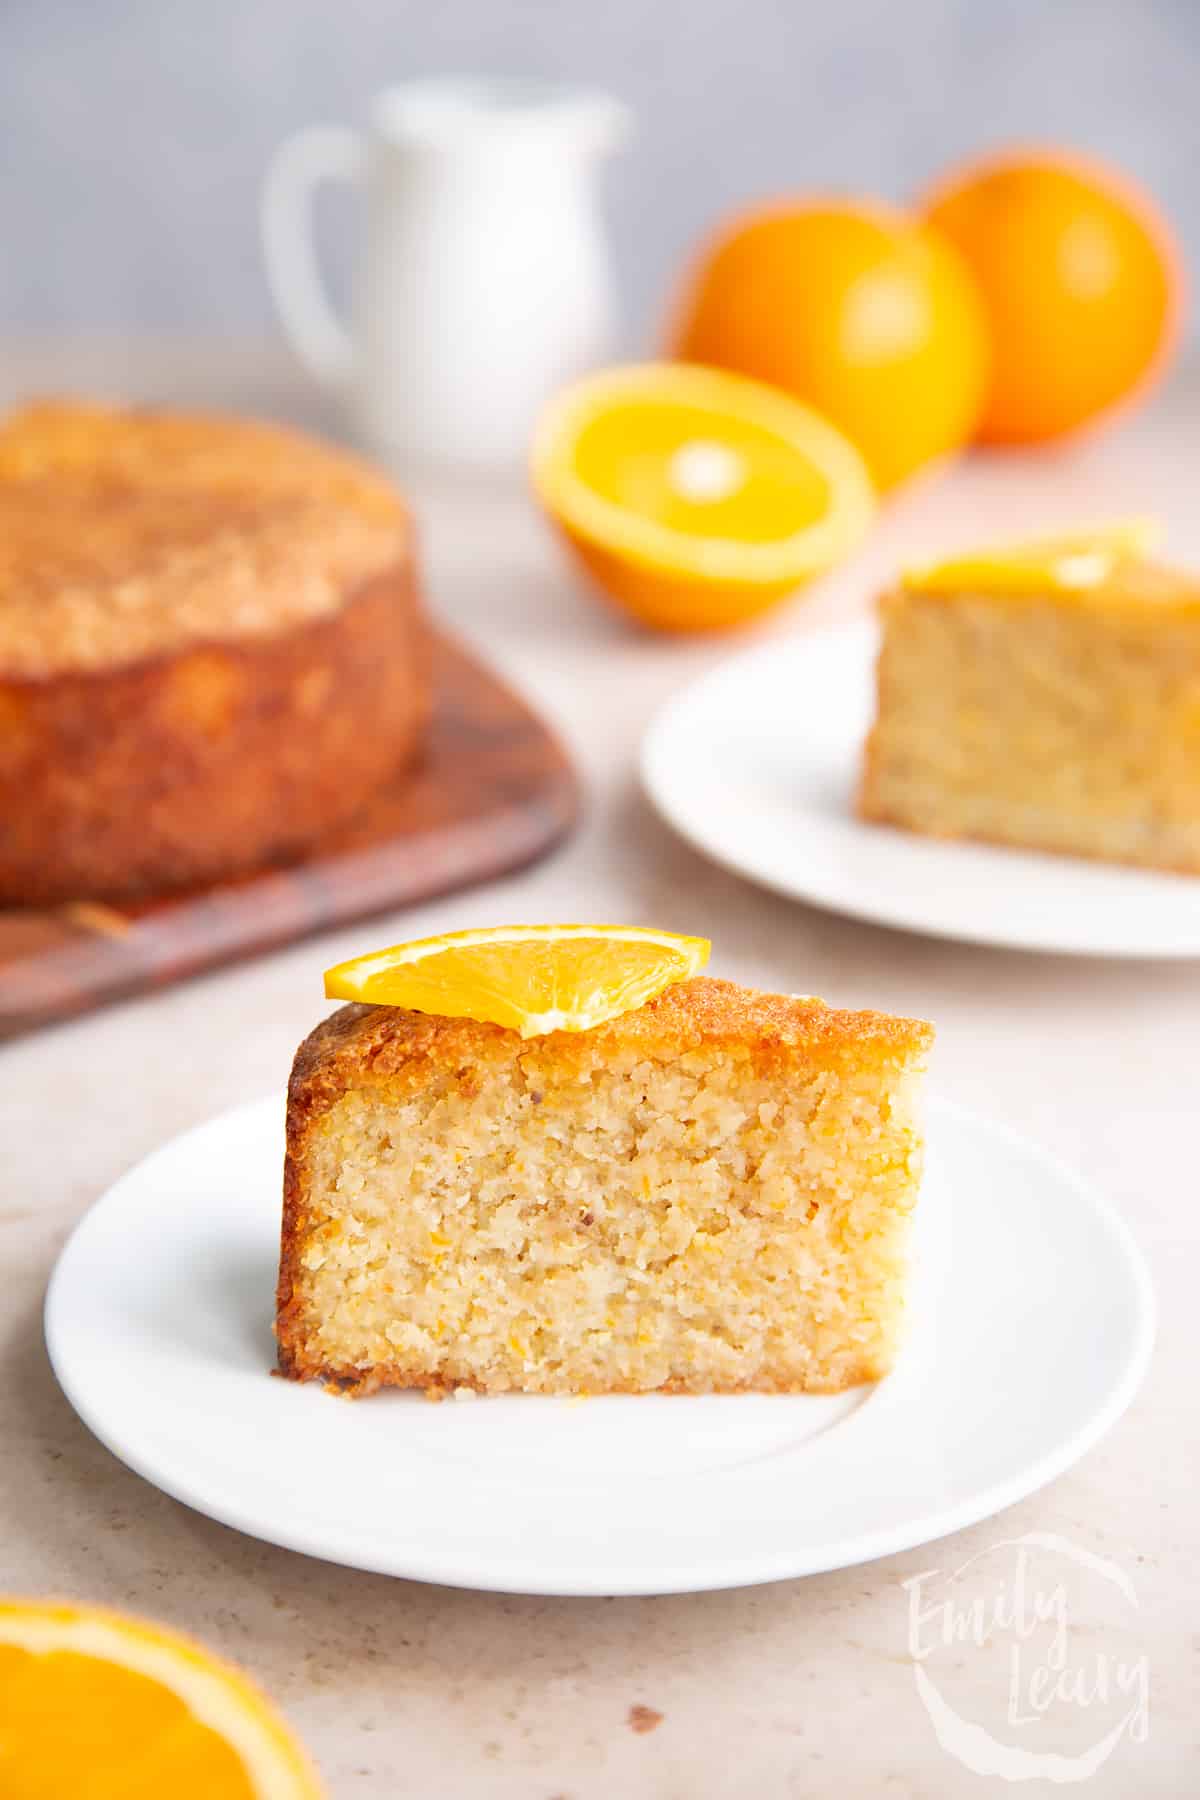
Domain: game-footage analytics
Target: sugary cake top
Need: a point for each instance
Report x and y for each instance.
(368, 1044)
(128, 534)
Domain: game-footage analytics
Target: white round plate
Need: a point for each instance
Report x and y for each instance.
(757, 764)
(1032, 1324)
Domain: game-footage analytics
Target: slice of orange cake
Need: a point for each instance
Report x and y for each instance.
(708, 1190)
(1045, 695)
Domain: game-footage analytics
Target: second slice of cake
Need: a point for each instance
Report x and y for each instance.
(710, 1193)
(1046, 697)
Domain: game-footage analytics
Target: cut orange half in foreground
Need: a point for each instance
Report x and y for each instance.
(695, 498)
(1071, 562)
(94, 1703)
(532, 978)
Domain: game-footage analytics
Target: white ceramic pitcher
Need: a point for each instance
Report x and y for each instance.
(483, 278)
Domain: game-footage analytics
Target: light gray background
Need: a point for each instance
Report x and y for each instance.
(134, 132)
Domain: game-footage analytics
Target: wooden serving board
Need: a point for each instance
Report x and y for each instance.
(493, 790)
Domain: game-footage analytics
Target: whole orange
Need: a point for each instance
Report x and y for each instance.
(864, 313)
(1082, 283)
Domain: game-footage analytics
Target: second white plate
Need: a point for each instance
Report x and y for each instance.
(756, 765)
(1032, 1326)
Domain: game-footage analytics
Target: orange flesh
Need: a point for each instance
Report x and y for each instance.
(81, 1726)
(778, 494)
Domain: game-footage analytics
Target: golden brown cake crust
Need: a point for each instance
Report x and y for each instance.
(211, 649)
(358, 1044)
(194, 768)
(125, 535)
(389, 1047)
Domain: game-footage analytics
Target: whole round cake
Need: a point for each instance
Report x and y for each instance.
(211, 648)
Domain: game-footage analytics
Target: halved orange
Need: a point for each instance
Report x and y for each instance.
(532, 978)
(696, 498)
(1069, 562)
(99, 1704)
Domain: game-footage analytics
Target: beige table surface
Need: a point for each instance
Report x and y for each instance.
(801, 1688)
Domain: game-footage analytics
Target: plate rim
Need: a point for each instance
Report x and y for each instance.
(515, 1576)
(659, 790)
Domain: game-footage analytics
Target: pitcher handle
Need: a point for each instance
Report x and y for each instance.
(312, 327)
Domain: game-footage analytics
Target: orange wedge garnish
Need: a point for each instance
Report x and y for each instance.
(531, 978)
(1070, 562)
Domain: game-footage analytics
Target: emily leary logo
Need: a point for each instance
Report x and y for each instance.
(1012, 1685)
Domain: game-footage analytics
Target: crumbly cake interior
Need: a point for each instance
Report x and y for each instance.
(1049, 722)
(676, 1221)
